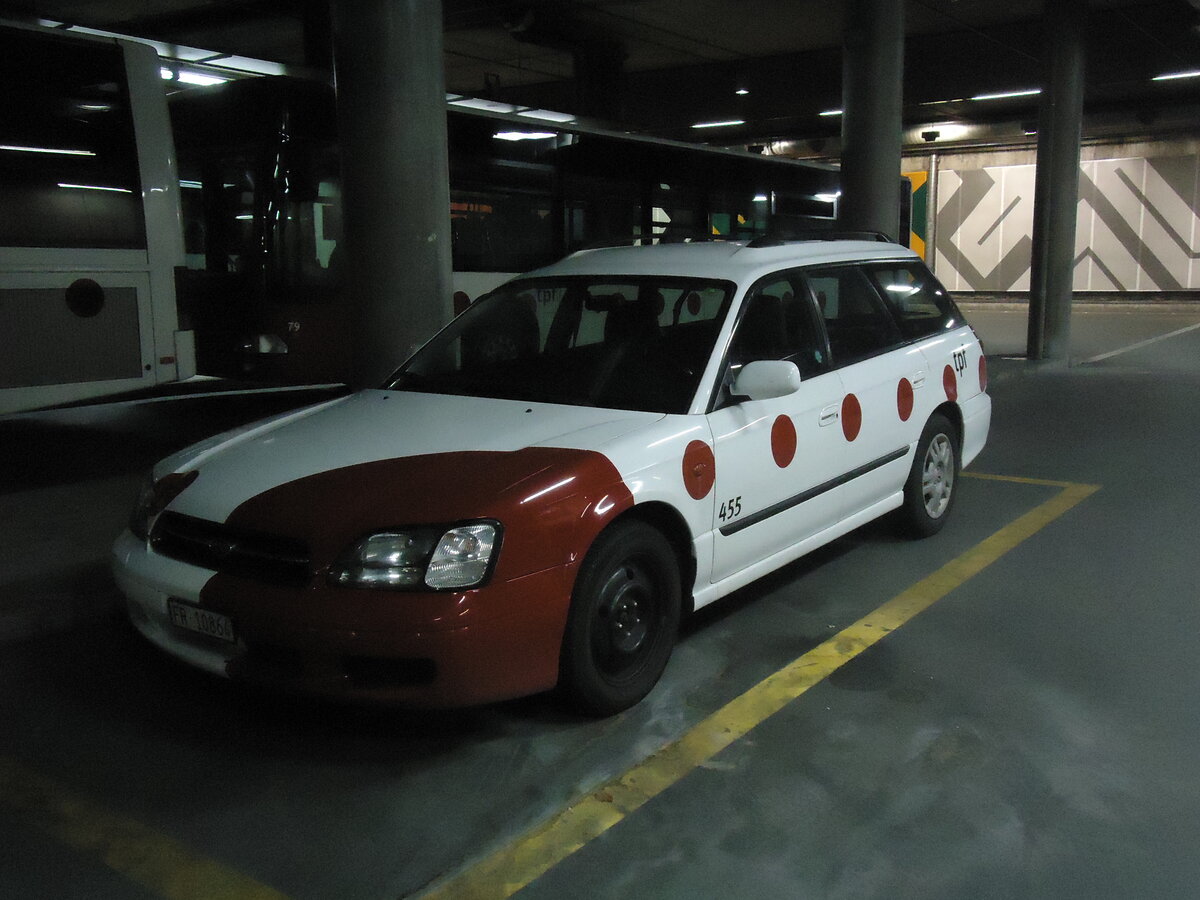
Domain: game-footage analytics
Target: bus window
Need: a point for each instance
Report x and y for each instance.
(740, 214)
(300, 224)
(675, 209)
(68, 163)
(501, 231)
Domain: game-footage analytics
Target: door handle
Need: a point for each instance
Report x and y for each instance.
(918, 379)
(829, 415)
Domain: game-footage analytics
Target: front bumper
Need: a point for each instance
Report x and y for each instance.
(417, 649)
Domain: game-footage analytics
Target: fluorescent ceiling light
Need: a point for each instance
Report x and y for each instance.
(547, 115)
(489, 105)
(242, 64)
(200, 80)
(760, 198)
(94, 187)
(1005, 95)
(741, 92)
(21, 148)
(1171, 76)
(827, 198)
(194, 185)
(727, 124)
(524, 135)
(942, 131)
(831, 112)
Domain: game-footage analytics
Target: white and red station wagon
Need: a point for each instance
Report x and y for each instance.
(583, 456)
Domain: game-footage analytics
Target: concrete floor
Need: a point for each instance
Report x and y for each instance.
(1032, 734)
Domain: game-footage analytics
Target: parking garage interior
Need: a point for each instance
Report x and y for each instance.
(1003, 710)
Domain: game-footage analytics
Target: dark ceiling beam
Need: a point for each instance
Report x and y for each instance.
(216, 15)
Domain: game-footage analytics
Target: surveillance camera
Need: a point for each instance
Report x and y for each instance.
(930, 136)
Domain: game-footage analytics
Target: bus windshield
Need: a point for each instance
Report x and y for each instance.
(634, 343)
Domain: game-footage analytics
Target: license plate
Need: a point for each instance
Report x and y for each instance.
(201, 621)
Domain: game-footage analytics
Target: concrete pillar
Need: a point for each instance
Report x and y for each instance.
(395, 178)
(872, 92)
(1056, 190)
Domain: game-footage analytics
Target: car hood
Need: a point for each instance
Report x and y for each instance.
(409, 434)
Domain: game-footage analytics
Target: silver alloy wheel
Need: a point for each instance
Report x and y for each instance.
(937, 477)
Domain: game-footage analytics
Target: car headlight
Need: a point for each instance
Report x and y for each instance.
(154, 497)
(139, 519)
(420, 558)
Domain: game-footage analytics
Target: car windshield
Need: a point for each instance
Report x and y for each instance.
(634, 343)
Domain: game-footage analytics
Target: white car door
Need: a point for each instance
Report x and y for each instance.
(885, 381)
(775, 458)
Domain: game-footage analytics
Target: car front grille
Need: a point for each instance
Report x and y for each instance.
(211, 545)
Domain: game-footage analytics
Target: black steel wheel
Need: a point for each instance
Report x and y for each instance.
(623, 619)
(931, 487)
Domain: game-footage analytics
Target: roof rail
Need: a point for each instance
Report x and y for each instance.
(670, 236)
(771, 239)
(789, 237)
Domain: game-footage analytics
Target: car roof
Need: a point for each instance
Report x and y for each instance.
(737, 261)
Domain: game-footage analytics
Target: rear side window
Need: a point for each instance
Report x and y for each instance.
(68, 160)
(921, 305)
(856, 320)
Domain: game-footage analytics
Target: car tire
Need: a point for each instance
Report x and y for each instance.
(623, 620)
(933, 480)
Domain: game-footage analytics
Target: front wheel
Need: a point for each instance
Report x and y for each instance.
(930, 490)
(622, 621)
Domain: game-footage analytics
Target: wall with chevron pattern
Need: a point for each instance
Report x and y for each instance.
(1138, 227)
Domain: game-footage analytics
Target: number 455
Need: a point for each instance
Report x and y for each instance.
(730, 509)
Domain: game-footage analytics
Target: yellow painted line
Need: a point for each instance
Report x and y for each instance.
(1016, 479)
(161, 865)
(531, 854)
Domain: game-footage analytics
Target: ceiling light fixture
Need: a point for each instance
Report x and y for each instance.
(199, 80)
(94, 187)
(21, 148)
(726, 124)
(1172, 76)
(831, 112)
(524, 135)
(548, 115)
(1030, 92)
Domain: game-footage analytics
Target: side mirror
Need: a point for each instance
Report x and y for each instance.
(766, 379)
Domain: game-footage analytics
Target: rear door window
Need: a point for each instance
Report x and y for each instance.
(857, 322)
(921, 305)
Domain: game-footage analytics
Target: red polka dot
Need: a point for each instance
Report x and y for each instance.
(851, 417)
(982, 372)
(693, 303)
(699, 469)
(461, 302)
(950, 383)
(783, 441)
(904, 399)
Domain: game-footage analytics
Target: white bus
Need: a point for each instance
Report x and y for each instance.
(124, 266)
(90, 232)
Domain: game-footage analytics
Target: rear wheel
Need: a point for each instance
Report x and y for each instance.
(931, 487)
(623, 619)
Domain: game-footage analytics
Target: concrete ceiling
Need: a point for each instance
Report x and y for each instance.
(664, 65)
